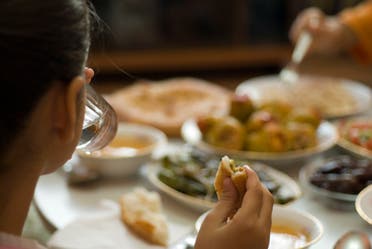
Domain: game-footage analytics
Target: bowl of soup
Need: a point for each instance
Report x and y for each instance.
(133, 145)
(293, 228)
(290, 228)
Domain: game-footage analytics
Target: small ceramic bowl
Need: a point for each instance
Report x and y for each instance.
(133, 145)
(288, 223)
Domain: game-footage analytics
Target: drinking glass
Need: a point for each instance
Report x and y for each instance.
(100, 122)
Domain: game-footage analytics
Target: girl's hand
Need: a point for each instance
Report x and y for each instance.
(250, 224)
(330, 35)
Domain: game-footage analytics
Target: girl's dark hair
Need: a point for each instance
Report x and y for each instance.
(41, 42)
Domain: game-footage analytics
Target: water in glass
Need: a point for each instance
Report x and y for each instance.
(100, 123)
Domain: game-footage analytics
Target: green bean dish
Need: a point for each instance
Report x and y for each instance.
(192, 172)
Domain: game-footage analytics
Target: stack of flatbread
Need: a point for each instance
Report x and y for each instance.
(167, 104)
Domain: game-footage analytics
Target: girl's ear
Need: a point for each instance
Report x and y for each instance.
(66, 112)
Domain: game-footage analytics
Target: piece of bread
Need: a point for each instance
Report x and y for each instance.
(141, 211)
(167, 104)
(227, 168)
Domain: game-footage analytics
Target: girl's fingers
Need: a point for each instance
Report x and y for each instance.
(225, 207)
(267, 208)
(253, 198)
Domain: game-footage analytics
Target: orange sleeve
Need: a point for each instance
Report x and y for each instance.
(359, 20)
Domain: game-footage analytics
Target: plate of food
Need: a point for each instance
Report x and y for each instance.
(167, 103)
(356, 135)
(335, 97)
(339, 178)
(275, 132)
(188, 176)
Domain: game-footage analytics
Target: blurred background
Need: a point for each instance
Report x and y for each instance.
(222, 41)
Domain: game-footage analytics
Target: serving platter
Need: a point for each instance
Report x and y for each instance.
(151, 171)
(327, 136)
(339, 98)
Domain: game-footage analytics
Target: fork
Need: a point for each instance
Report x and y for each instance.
(289, 74)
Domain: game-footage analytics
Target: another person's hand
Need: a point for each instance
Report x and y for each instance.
(250, 224)
(330, 35)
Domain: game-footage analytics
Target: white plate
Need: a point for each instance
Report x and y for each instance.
(268, 87)
(151, 171)
(348, 146)
(327, 136)
(363, 204)
(354, 149)
(337, 197)
(60, 204)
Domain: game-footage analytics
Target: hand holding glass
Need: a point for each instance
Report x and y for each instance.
(100, 122)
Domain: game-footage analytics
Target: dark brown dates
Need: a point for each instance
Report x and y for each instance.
(343, 174)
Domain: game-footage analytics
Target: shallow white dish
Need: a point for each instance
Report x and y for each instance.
(326, 133)
(125, 161)
(354, 149)
(304, 176)
(60, 203)
(348, 146)
(363, 204)
(294, 218)
(257, 89)
(151, 170)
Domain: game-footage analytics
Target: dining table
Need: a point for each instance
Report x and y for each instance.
(57, 204)
(60, 203)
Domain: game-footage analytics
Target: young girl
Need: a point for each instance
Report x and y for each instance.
(44, 46)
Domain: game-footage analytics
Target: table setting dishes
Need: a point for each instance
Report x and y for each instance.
(336, 180)
(166, 104)
(335, 97)
(363, 204)
(326, 136)
(188, 177)
(275, 132)
(78, 174)
(291, 228)
(356, 135)
(62, 203)
(105, 229)
(132, 146)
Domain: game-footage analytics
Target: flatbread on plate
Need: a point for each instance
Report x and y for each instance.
(167, 104)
